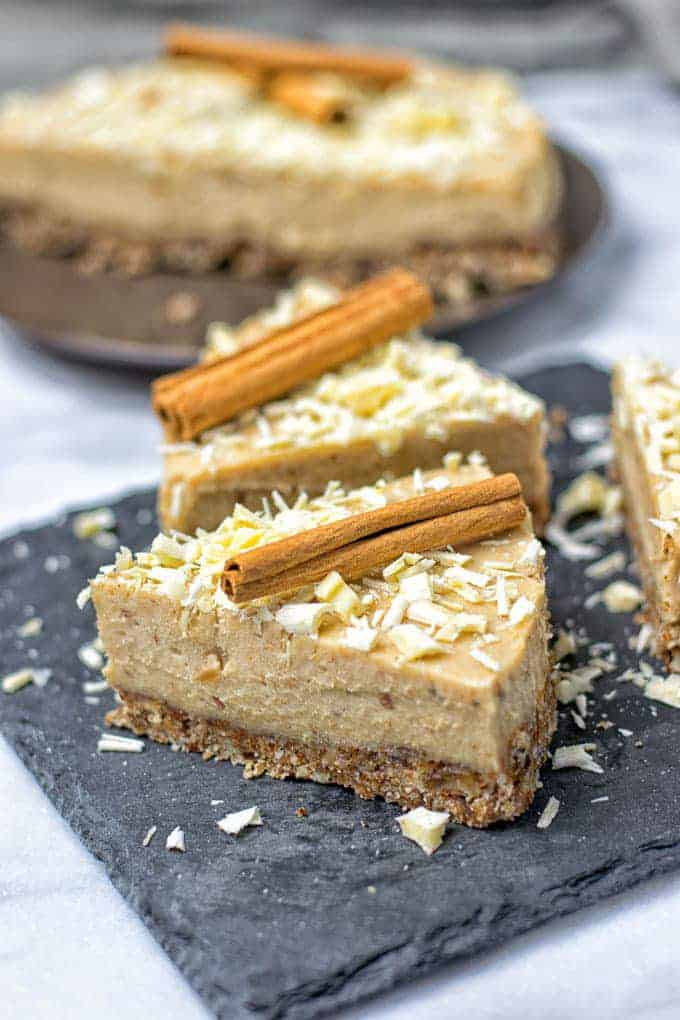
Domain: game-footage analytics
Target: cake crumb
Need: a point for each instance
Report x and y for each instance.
(564, 645)
(598, 455)
(150, 835)
(235, 822)
(175, 840)
(621, 597)
(31, 628)
(95, 686)
(14, 682)
(643, 639)
(424, 827)
(664, 689)
(124, 745)
(589, 428)
(548, 814)
(92, 522)
(612, 564)
(576, 756)
(90, 656)
(54, 563)
(576, 681)
(180, 308)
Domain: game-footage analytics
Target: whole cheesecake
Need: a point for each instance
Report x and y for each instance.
(271, 159)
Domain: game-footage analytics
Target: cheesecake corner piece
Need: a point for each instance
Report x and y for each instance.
(426, 681)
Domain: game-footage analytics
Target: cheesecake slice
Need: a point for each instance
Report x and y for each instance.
(425, 681)
(402, 405)
(280, 159)
(646, 435)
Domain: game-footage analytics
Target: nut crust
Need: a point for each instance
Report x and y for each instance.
(398, 776)
(457, 275)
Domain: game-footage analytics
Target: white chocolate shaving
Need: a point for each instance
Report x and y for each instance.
(576, 756)
(237, 821)
(424, 827)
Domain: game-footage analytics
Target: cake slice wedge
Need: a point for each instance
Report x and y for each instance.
(399, 406)
(646, 435)
(424, 681)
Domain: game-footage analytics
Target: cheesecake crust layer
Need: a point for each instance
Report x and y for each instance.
(398, 776)
(456, 273)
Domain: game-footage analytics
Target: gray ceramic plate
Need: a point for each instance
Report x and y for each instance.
(43, 297)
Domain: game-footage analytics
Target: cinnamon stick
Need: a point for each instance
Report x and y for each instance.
(271, 56)
(201, 397)
(356, 545)
(321, 100)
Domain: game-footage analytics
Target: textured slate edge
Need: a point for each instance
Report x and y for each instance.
(485, 927)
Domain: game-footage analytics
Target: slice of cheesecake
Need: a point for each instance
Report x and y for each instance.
(281, 158)
(424, 681)
(402, 405)
(646, 434)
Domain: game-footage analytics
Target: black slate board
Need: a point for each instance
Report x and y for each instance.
(303, 916)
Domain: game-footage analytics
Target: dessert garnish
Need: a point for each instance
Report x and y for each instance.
(356, 545)
(424, 827)
(259, 55)
(198, 398)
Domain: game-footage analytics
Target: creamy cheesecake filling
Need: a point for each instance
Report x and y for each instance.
(443, 654)
(293, 218)
(320, 692)
(168, 152)
(199, 493)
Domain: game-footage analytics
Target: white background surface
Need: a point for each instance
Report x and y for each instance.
(69, 945)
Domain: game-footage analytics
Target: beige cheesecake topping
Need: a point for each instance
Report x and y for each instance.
(650, 407)
(441, 127)
(419, 605)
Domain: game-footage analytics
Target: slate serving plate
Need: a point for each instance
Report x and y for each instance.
(303, 916)
(122, 321)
